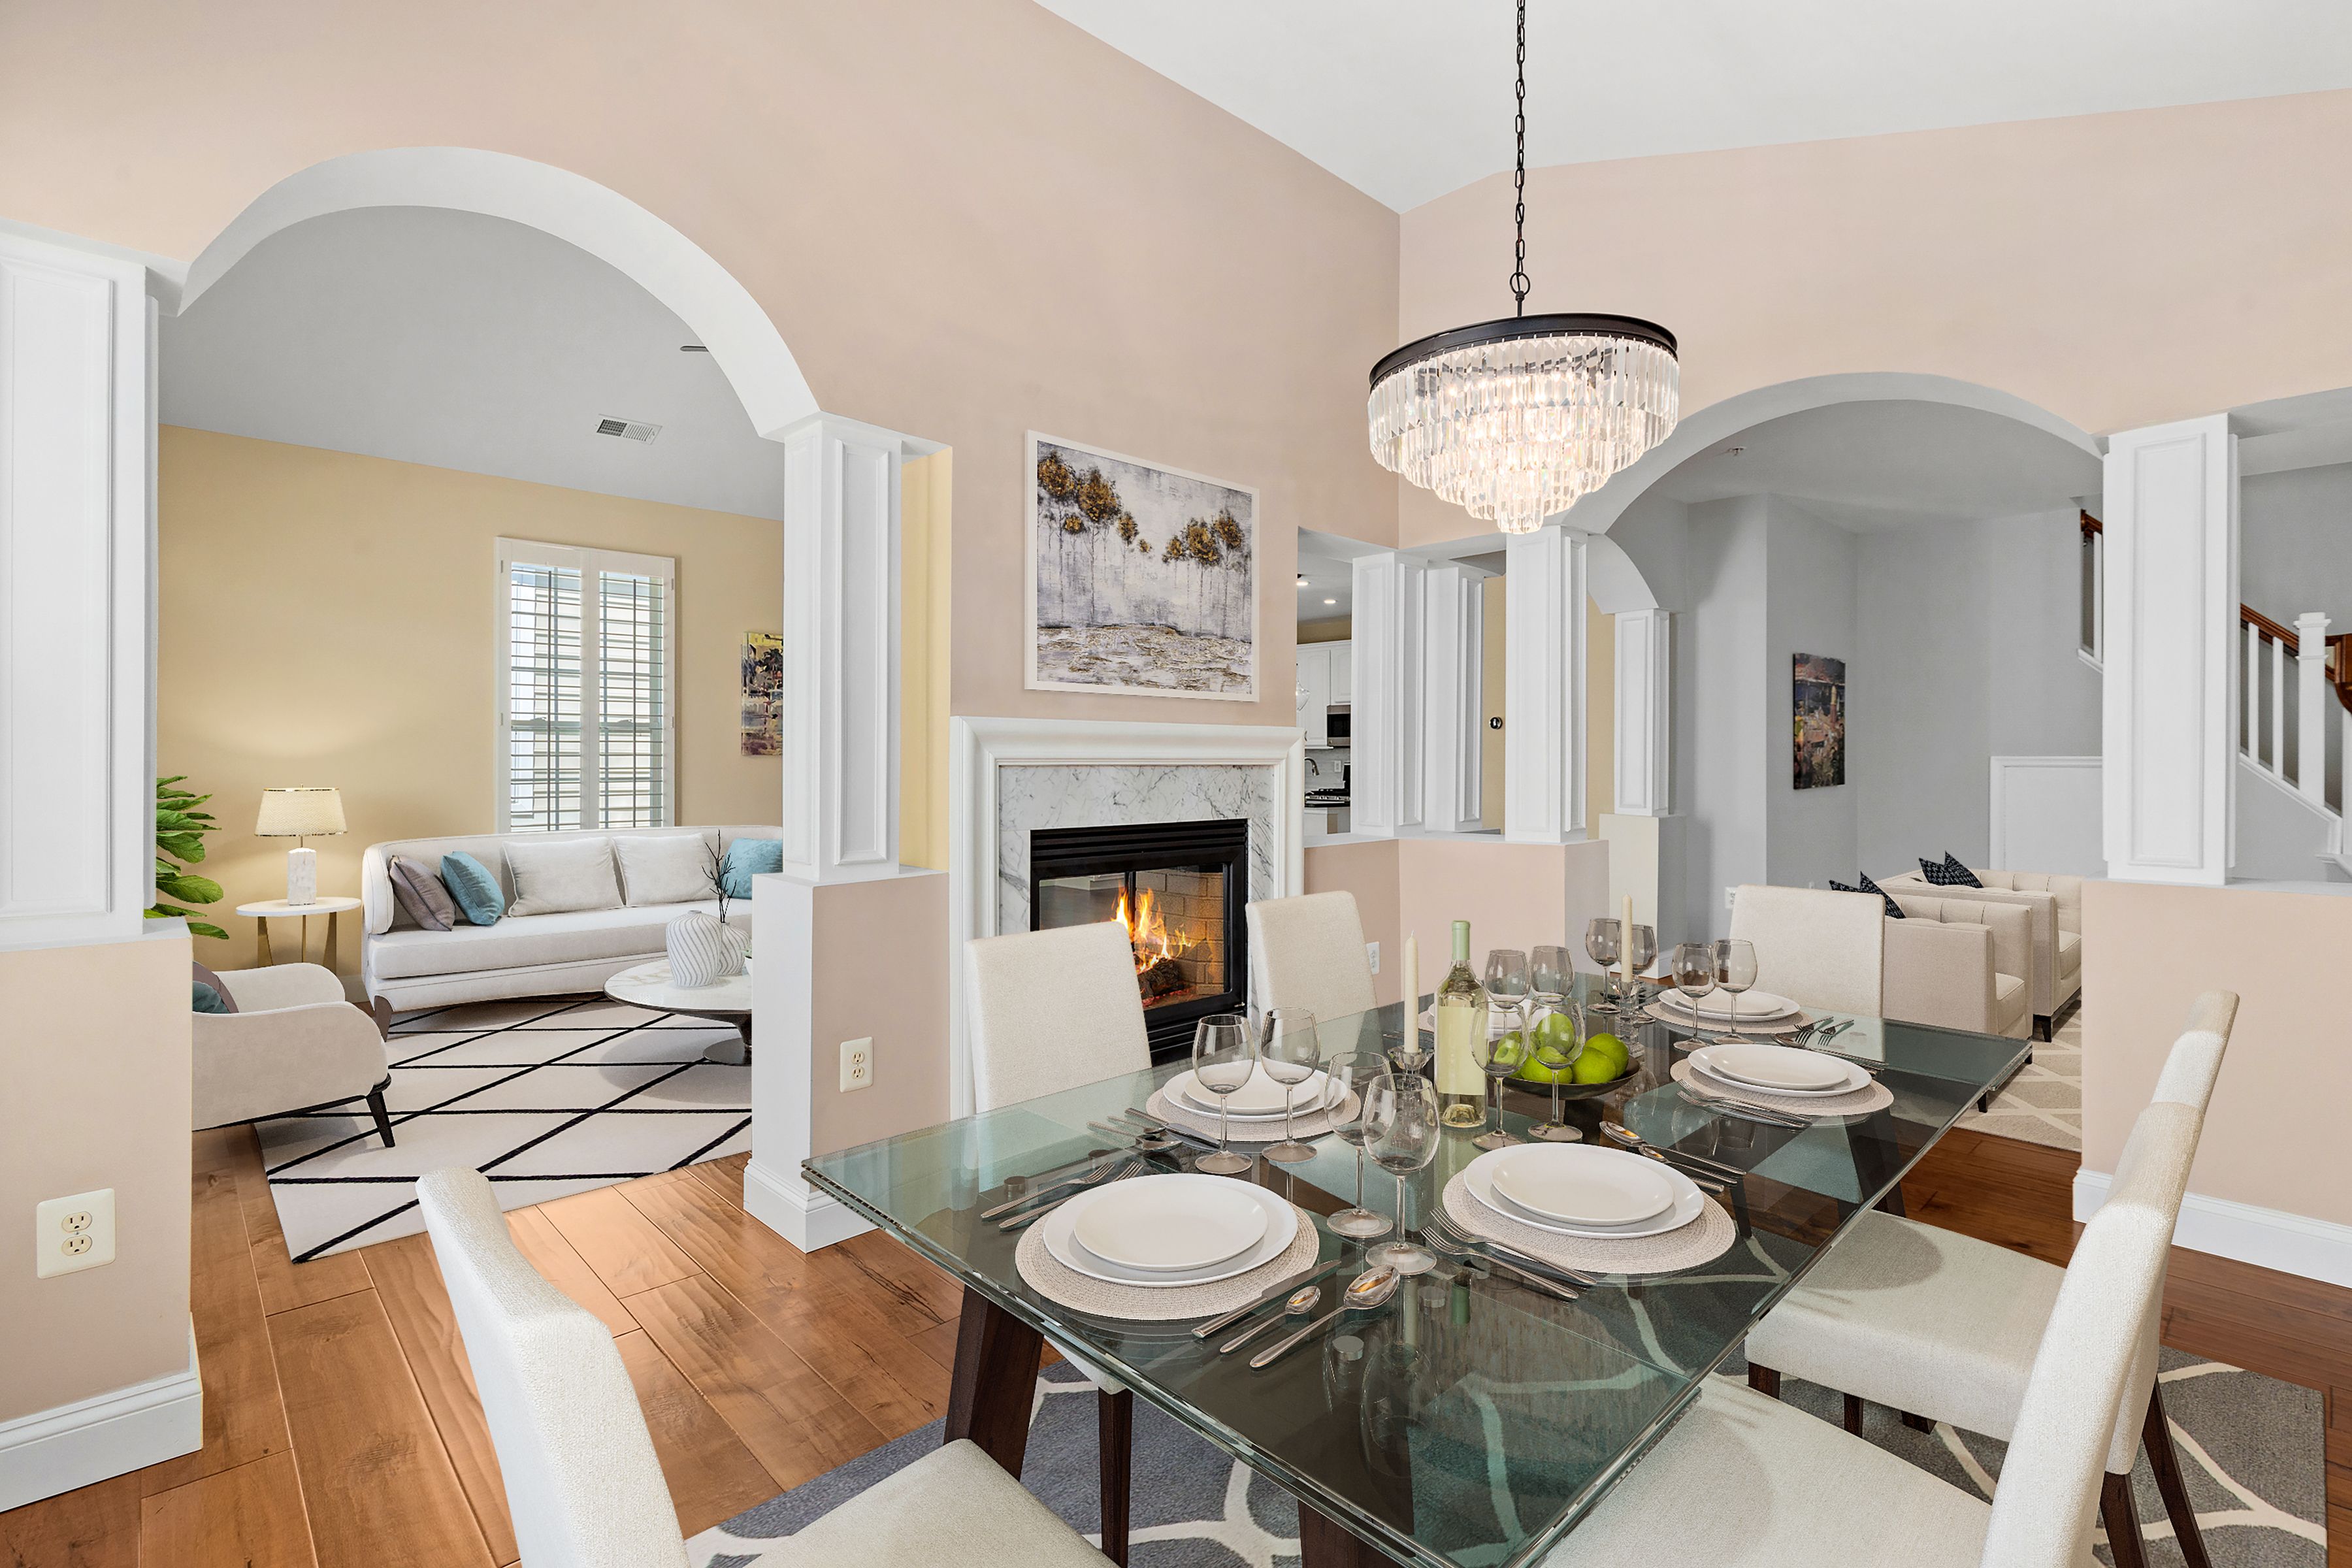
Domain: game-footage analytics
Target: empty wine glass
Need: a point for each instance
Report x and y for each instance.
(1224, 1054)
(1502, 1053)
(1735, 970)
(1290, 1051)
(1601, 939)
(1403, 1111)
(1641, 952)
(1353, 1072)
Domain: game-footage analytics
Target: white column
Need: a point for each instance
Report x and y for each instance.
(1385, 786)
(76, 566)
(1452, 653)
(1645, 726)
(1543, 689)
(2170, 717)
(2311, 707)
(840, 715)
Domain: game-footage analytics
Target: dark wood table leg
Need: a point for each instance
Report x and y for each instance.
(995, 1381)
(1114, 1432)
(1323, 1544)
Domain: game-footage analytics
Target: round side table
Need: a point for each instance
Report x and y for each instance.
(727, 1001)
(269, 909)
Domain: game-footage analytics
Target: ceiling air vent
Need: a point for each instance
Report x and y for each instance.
(627, 429)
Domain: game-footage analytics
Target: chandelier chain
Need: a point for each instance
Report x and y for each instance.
(1519, 175)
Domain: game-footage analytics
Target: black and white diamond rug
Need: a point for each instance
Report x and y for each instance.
(546, 1097)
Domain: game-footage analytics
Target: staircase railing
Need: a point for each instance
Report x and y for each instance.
(2295, 703)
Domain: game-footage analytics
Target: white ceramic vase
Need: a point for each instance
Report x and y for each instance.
(703, 950)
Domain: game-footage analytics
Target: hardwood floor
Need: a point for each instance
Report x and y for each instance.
(342, 1429)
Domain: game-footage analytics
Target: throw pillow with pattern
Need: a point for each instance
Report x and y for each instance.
(1948, 872)
(1894, 909)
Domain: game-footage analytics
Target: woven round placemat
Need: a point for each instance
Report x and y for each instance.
(1872, 1096)
(1658, 1011)
(1054, 1280)
(1305, 1124)
(1705, 1239)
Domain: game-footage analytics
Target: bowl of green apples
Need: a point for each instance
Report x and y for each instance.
(1604, 1064)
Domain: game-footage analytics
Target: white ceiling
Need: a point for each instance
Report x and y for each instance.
(1869, 467)
(1407, 99)
(467, 343)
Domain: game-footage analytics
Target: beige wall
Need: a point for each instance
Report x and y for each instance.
(328, 619)
(94, 1085)
(1369, 870)
(1600, 716)
(2274, 1136)
(1338, 629)
(869, 936)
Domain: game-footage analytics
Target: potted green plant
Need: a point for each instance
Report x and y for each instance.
(180, 830)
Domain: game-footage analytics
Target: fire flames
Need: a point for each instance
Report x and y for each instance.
(1149, 934)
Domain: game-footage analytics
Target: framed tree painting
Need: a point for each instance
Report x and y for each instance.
(1818, 705)
(1142, 578)
(762, 733)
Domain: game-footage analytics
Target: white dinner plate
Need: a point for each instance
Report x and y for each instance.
(1171, 1225)
(1582, 1183)
(1783, 1069)
(1754, 1005)
(1282, 1226)
(1260, 1100)
(1725, 1083)
(1689, 1202)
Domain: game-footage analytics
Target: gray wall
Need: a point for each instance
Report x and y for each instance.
(1809, 607)
(1919, 735)
(2295, 550)
(1721, 701)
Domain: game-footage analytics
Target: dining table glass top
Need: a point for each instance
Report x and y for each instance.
(1471, 1421)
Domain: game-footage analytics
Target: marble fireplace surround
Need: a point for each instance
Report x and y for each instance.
(1009, 777)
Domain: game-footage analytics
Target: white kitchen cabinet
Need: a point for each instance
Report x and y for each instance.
(1315, 680)
(1343, 671)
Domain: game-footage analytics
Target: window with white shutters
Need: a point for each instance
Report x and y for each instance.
(586, 664)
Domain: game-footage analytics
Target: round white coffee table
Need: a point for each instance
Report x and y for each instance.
(269, 909)
(728, 1001)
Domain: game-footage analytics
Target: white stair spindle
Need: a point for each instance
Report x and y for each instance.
(2251, 677)
(2311, 707)
(2278, 706)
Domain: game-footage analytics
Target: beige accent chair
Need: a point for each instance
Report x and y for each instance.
(1823, 949)
(583, 1483)
(2056, 903)
(1960, 963)
(1945, 1327)
(1308, 951)
(293, 1044)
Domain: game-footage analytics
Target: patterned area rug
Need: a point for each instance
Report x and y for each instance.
(546, 1097)
(2043, 1104)
(2251, 1445)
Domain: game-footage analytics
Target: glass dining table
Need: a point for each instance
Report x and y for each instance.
(1472, 1422)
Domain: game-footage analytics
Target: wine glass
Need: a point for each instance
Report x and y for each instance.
(1555, 1053)
(1403, 1111)
(1290, 1051)
(1735, 970)
(1601, 946)
(1500, 1055)
(1641, 952)
(1354, 1071)
(1224, 1054)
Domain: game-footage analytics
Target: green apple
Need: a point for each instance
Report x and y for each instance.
(1612, 1047)
(1595, 1067)
(1555, 1033)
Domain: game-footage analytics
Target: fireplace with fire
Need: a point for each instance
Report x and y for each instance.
(1179, 889)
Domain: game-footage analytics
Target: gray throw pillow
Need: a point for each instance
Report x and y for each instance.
(562, 876)
(422, 894)
(667, 868)
(211, 982)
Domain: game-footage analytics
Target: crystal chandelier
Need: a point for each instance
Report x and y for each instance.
(1514, 419)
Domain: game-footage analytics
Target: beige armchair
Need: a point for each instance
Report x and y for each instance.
(2056, 904)
(1959, 963)
(293, 1044)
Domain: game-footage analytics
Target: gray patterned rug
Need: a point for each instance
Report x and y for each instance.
(2251, 1445)
(2044, 1103)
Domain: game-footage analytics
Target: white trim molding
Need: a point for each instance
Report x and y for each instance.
(2046, 814)
(1543, 687)
(1386, 675)
(978, 747)
(783, 999)
(1643, 749)
(2267, 1238)
(1452, 657)
(109, 1434)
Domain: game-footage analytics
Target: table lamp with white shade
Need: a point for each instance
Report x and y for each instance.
(297, 813)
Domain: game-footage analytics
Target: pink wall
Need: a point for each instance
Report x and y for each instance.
(968, 219)
(2274, 1136)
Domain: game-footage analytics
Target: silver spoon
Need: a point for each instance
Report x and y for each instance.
(1301, 1301)
(1367, 1291)
(1719, 1176)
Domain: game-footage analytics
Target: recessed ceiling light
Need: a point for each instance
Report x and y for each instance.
(1330, 601)
(1302, 579)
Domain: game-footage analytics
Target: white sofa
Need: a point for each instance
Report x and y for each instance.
(295, 1043)
(2056, 904)
(521, 955)
(1960, 963)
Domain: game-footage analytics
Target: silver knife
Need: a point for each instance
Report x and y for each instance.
(1186, 1133)
(1279, 1293)
(1745, 1111)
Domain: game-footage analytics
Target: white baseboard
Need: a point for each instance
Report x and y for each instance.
(801, 1214)
(53, 1451)
(2268, 1238)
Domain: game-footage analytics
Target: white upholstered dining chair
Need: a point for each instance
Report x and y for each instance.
(1046, 1011)
(1308, 951)
(1944, 1327)
(1823, 949)
(583, 1483)
(1745, 1481)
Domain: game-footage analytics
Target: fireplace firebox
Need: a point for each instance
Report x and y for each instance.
(1179, 889)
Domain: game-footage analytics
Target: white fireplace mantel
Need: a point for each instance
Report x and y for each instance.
(979, 747)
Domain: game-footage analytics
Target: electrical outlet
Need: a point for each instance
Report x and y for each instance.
(73, 1233)
(1730, 898)
(856, 1064)
(1372, 955)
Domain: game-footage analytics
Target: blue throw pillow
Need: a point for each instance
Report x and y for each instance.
(746, 859)
(208, 1000)
(476, 892)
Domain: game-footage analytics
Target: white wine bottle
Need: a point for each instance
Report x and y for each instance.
(1461, 1029)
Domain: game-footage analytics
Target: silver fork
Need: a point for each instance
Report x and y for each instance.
(1452, 1231)
(1444, 1246)
(1110, 1174)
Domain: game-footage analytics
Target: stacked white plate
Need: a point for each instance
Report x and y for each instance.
(1716, 1006)
(1165, 1231)
(1776, 1069)
(1259, 1099)
(1579, 1189)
